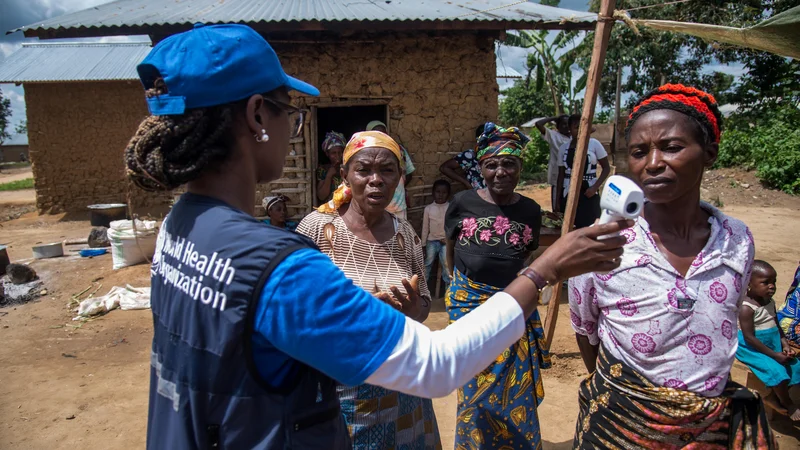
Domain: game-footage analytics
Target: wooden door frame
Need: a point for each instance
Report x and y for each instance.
(314, 125)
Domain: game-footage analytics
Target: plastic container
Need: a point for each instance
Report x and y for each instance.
(90, 252)
(130, 247)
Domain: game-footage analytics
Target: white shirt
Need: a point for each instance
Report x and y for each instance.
(595, 153)
(554, 140)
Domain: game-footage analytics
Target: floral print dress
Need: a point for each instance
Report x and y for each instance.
(498, 408)
(677, 331)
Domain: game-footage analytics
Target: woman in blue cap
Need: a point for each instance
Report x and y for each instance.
(253, 326)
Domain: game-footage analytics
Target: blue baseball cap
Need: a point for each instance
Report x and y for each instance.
(213, 65)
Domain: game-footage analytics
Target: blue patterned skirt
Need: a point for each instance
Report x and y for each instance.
(497, 408)
(379, 419)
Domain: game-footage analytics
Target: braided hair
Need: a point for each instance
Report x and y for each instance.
(700, 106)
(169, 151)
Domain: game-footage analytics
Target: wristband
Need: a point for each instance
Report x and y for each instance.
(544, 286)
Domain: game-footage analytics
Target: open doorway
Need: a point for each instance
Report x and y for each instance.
(342, 119)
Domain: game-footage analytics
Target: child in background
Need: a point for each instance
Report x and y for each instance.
(433, 237)
(277, 212)
(762, 345)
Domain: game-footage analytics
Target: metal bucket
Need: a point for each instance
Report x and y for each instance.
(53, 250)
(103, 214)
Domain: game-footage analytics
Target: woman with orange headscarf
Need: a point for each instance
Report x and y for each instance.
(382, 254)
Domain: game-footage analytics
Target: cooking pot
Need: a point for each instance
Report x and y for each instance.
(102, 215)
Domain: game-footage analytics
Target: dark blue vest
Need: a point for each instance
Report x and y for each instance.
(205, 391)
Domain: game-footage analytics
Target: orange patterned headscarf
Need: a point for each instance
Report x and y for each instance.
(359, 141)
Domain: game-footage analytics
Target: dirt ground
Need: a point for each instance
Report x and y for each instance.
(9, 174)
(69, 385)
(14, 204)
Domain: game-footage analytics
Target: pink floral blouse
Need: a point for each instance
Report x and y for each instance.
(677, 332)
(491, 242)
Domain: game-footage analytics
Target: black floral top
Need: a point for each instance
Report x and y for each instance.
(492, 241)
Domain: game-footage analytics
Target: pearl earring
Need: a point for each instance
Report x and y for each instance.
(264, 136)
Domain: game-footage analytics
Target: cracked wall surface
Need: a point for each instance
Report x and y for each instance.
(438, 89)
(78, 133)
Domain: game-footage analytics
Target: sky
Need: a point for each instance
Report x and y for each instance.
(16, 13)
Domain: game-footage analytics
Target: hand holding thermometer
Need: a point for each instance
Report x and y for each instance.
(621, 199)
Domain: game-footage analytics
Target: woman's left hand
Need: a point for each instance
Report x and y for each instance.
(591, 192)
(411, 302)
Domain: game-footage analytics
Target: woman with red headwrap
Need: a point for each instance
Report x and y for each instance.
(658, 334)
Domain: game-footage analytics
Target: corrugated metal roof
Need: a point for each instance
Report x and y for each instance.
(507, 72)
(137, 14)
(45, 62)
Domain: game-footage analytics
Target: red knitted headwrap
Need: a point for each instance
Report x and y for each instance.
(693, 102)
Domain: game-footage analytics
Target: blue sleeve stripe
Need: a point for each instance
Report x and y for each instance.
(309, 310)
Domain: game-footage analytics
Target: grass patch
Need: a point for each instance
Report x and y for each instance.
(27, 183)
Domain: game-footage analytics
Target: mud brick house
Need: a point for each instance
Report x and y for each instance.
(425, 67)
(14, 149)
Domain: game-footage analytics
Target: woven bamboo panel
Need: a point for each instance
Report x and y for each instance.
(295, 183)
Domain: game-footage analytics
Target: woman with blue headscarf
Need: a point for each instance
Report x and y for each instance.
(491, 232)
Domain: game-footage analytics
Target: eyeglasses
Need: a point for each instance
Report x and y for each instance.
(297, 116)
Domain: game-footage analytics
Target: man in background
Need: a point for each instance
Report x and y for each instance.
(588, 199)
(555, 139)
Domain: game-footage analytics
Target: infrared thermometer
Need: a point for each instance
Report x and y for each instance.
(621, 199)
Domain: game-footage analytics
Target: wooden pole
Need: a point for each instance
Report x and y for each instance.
(602, 34)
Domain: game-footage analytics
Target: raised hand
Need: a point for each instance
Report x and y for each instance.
(411, 302)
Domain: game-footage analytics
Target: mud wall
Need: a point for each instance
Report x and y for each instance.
(77, 136)
(438, 89)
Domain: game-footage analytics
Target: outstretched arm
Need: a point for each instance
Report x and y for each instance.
(301, 319)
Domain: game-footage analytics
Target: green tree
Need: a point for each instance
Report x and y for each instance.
(22, 127)
(553, 71)
(522, 102)
(5, 114)
(656, 57)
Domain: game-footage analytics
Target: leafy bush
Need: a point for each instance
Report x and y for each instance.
(535, 156)
(770, 144)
